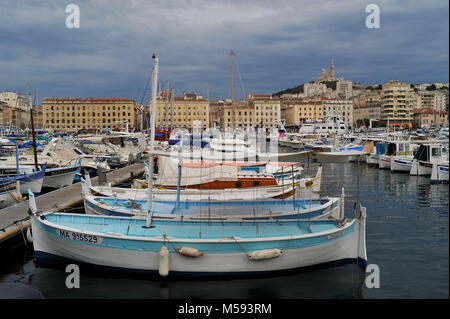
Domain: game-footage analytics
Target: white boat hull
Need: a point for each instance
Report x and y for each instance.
(401, 164)
(439, 174)
(35, 186)
(58, 178)
(385, 162)
(424, 168)
(346, 245)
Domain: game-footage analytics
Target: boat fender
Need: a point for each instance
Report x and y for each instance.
(29, 235)
(265, 254)
(189, 251)
(163, 261)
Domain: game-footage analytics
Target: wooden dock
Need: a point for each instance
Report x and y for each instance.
(15, 220)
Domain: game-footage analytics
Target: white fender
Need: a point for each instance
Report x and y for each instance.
(191, 252)
(414, 168)
(434, 174)
(29, 235)
(163, 261)
(265, 254)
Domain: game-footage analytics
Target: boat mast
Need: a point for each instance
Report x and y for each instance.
(152, 114)
(32, 132)
(233, 111)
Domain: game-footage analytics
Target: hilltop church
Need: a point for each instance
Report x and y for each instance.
(327, 76)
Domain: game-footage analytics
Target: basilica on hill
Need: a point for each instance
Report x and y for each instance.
(327, 76)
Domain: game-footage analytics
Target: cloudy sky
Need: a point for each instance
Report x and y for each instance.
(278, 44)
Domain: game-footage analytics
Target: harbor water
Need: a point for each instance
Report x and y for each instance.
(407, 238)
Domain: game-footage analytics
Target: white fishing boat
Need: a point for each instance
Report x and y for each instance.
(196, 248)
(188, 208)
(439, 173)
(28, 176)
(57, 177)
(401, 161)
(427, 155)
(168, 194)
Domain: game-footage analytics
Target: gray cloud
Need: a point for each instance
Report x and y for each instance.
(278, 44)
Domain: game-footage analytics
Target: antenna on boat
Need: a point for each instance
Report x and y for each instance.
(152, 114)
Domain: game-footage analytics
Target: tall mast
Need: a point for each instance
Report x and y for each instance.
(152, 114)
(32, 132)
(233, 111)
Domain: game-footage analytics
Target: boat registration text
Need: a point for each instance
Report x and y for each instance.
(80, 237)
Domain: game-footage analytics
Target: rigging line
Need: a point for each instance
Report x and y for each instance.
(145, 90)
(240, 80)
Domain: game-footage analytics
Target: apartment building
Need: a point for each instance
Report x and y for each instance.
(181, 112)
(73, 114)
(396, 105)
(16, 109)
(341, 108)
(267, 110)
(296, 112)
(428, 117)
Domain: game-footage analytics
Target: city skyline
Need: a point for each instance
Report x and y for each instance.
(277, 46)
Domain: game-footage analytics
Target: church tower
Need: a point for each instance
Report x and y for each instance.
(332, 69)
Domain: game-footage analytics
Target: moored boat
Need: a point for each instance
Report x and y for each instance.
(196, 248)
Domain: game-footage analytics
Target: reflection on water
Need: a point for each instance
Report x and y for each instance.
(407, 237)
(340, 282)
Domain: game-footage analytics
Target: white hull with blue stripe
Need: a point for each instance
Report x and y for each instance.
(213, 209)
(31, 180)
(439, 174)
(401, 164)
(194, 248)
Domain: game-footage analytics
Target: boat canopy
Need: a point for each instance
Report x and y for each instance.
(207, 164)
(193, 174)
(381, 148)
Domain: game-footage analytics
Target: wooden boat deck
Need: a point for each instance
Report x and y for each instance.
(15, 219)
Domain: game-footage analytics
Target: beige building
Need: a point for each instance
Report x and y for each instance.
(181, 112)
(257, 111)
(296, 112)
(344, 88)
(73, 114)
(16, 111)
(366, 112)
(221, 114)
(428, 116)
(367, 105)
(267, 110)
(396, 103)
(341, 108)
(431, 99)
